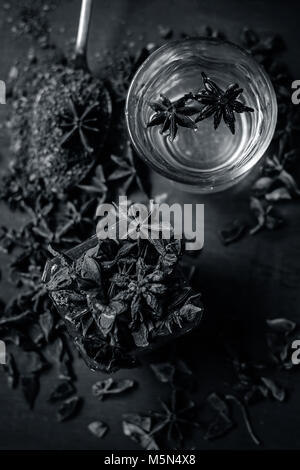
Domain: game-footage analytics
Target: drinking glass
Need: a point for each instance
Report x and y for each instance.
(205, 160)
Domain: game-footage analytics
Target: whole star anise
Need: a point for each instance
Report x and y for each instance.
(80, 124)
(173, 417)
(96, 187)
(35, 288)
(220, 103)
(141, 287)
(171, 114)
(126, 174)
(147, 226)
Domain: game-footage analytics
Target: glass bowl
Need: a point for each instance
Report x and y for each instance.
(205, 160)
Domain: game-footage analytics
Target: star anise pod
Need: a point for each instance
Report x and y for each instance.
(97, 186)
(10, 239)
(141, 287)
(276, 183)
(148, 227)
(36, 291)
(105, 315)
(173, 417)
(80, 124)
(142, 227)
(126, 172)
(172, 114)
(74, 218)
(39, 212)
(220, 103)
(53, 237)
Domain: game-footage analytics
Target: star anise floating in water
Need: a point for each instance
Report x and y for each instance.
(172, 114)
(217, 102)
(220, 103)
(80, 124)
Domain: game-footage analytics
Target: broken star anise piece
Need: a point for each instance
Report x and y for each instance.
(79, 124)
(104, 388)
(137, 427)
(98, 428)
(171, 114)
(220, 103)
(265, 216)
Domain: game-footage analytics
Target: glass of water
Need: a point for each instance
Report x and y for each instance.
(205, 160)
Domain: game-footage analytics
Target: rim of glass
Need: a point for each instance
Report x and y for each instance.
(197, 178)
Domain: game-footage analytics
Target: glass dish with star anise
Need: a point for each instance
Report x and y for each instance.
(201, 112)
(122, 298)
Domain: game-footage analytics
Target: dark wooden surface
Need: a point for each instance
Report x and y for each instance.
(245, 282)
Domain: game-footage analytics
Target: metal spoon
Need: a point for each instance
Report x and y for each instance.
(64, 103)
(80, 60)
(82, 34)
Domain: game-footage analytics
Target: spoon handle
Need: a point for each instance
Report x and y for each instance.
(82, 35)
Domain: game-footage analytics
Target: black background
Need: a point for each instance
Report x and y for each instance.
(242, 283)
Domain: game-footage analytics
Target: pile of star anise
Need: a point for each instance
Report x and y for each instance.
(120, 297)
